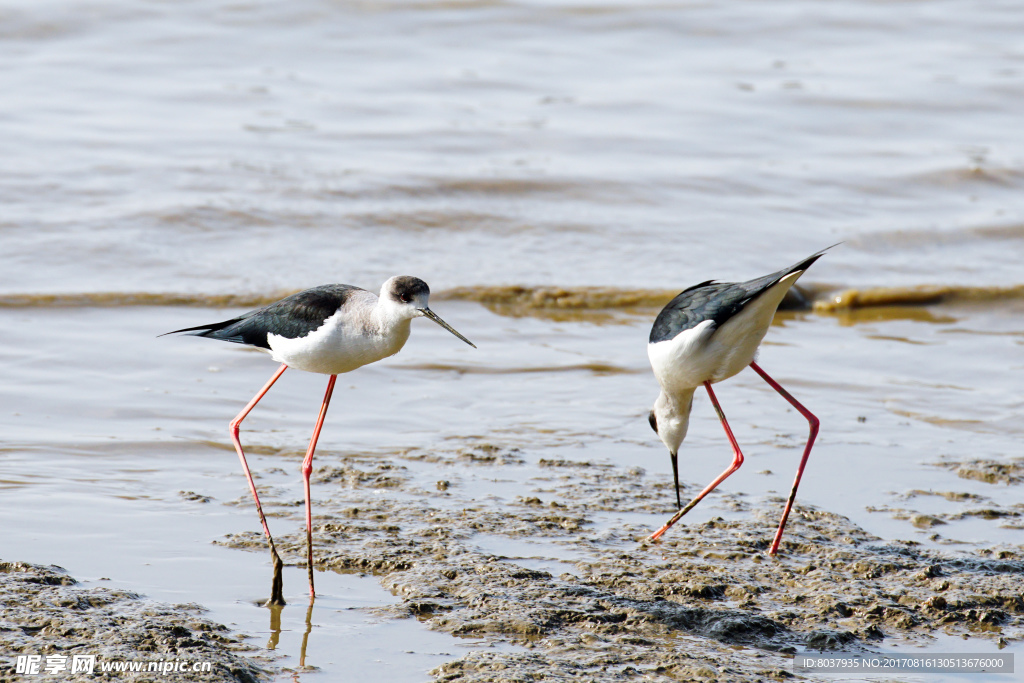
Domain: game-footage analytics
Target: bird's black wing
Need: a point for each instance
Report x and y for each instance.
(717, 301)
(292, 317)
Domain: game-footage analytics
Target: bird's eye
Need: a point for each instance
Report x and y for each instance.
(404, 298)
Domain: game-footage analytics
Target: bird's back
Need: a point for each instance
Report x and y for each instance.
(711, 331)
(715, 301)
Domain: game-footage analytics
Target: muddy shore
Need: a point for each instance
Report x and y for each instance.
(595, 601)
(46, 613)
(704, 603)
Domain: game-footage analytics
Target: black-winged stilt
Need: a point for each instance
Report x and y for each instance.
(707, 334)
(329, 329)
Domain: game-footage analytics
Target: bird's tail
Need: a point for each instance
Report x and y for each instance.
(208, 330)
(807, 262)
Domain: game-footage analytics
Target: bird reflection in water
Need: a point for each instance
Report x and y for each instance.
(275, 630)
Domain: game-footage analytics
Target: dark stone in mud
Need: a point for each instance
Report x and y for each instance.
(705, 591)
(46, 612)
(741, 628)
(829, 640)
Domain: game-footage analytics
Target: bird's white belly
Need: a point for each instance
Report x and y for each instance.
(708, 354)
(336, 347)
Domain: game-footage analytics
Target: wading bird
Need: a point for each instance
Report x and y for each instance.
(707, 334)
(329, 329)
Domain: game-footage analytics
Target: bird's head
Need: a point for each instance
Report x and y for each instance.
(407, 297)
(670, 420)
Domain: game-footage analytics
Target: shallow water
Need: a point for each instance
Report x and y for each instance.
(112, 441)
(554, 170)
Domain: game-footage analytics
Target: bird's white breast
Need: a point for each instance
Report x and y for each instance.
(678, 362)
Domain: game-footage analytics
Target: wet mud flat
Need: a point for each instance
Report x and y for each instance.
(704, 603)
(47, 613)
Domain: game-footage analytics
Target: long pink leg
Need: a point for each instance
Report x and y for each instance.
(307, 469)
(276, 597)
(736, 462)
(803, 461)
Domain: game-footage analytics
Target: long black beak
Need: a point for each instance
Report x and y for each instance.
(437, 319)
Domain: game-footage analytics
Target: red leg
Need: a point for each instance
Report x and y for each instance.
(736, 462)
(813, 421)
(307, 469)
(276, 596)
(241, 454)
